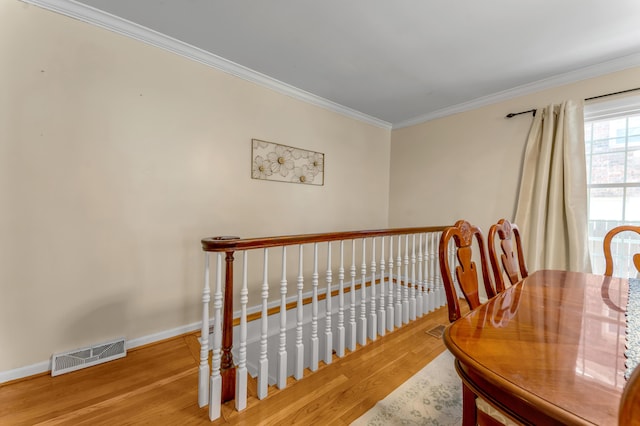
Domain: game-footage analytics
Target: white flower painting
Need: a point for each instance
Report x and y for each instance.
(272, 161)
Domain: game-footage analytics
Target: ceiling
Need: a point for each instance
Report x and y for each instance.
(401, 62)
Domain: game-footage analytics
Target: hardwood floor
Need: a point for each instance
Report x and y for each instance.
(157, 384)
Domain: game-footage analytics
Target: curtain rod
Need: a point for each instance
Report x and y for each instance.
(513, 114)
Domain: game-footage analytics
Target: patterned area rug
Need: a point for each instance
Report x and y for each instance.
(433, 396)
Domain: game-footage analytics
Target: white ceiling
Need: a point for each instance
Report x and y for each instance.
(402, 61)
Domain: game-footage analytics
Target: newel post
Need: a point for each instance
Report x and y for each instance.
(228, 369)
(223, 366)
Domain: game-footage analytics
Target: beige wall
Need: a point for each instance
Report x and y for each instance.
(468, 165)
(116, 158)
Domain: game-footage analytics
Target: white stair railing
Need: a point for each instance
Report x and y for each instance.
(405, 283)
(352, 314)
(379, 302)
(282, 349)
(315, 348)
(391, 284)
(362, 324)
(434, 295)
(299, 370)
(328, 334)
(241, 373)
(341, 329)
(203, 369)
(420, 306)
(382, 328)
(412, 291)
(373, 315)
(263, 372)
(215, 385)
(398, 295)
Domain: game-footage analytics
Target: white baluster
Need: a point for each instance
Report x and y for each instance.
(398, 295)
(390, 306)
(420, 298)
(352, 311)
(241, 372)
(437, 279)
(427, 274)
(405, 286)
(215, 383)
(281, 381)
(299, 366)
(362, 326)
(341, 329)
(328, 334)
(433, 297)
(263, 366)
(203, 369)
(373, 314)
(315, 351)
(412, 294)
(382, 315)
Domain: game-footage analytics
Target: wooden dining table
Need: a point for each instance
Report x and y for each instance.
(548, 350)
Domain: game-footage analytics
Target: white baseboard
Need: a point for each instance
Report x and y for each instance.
(29, 370)
(166, 334)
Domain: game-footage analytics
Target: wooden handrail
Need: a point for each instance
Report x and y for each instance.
(227, 243)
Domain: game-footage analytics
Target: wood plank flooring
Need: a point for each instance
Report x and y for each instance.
(157, 385)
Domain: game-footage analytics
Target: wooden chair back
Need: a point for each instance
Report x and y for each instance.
(463, 234)
(608, 258)
(512, 256)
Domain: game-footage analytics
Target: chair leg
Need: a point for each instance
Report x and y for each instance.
(469, 410)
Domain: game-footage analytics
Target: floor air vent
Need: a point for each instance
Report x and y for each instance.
(86, 357)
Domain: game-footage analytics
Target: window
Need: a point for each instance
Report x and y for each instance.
(612, 142)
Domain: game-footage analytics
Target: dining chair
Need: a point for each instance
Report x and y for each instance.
(508, 236)
(608, 258)
(475, 410)
(629, 413)
(466, 272)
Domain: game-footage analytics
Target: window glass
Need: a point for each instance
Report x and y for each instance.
(612, 148)
(608, 168)
(632, 205)
(605, 203)
(634, 125)
(633, 166)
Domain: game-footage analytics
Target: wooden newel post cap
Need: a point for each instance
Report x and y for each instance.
(220, 243)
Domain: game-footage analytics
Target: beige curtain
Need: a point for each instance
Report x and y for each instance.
(552, 204)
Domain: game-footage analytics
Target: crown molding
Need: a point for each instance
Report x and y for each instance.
(597, 70)
(91, 15)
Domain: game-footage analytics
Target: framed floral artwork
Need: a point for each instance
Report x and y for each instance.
(282, 163)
